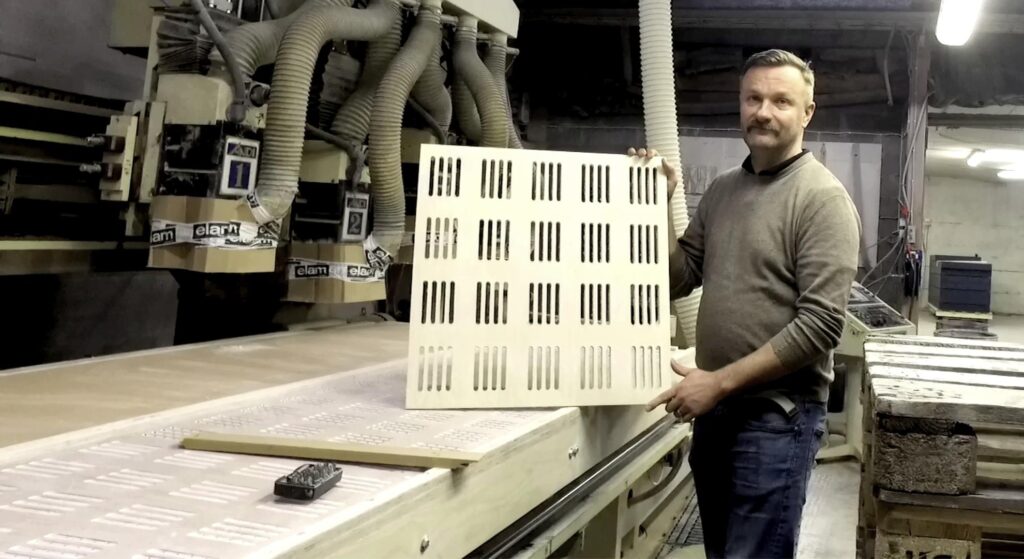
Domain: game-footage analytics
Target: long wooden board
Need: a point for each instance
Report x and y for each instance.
(930, 341)
(327, 450)
(968, 404)
(944, 351)
(948, 377)
(958, 364)
(986, 499)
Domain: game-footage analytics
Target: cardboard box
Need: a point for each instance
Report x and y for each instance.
(302, 290)
(189, 210)
(339, 291)
(332, 290)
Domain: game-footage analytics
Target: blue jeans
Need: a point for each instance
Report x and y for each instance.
(751, 465)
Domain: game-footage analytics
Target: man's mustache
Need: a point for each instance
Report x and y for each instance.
(753, 127)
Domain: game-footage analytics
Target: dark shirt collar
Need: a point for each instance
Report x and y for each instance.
(773, 171)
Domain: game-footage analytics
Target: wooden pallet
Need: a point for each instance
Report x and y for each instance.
(943, 469)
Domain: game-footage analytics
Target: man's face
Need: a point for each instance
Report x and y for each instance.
(775, 107)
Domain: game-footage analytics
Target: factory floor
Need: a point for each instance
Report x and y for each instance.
(830, 515)
(829, 529)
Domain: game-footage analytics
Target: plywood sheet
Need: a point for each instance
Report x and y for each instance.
(539, 280)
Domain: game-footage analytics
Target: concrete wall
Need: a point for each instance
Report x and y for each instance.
(62, 44)
(965, 216)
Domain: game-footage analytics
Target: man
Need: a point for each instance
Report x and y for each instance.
(775, 245)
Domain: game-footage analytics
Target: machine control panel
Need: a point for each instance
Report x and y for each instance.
(872, 314)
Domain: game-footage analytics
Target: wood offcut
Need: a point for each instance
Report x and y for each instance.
(327, 450)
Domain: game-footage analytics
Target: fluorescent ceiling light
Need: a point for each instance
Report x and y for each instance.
(975, 158)
(950, 152)
(1012, 175)
(957, 19)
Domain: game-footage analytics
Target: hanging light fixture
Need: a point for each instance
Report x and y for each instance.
(957, 20)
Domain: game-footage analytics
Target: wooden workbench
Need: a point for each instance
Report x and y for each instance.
(43, 401)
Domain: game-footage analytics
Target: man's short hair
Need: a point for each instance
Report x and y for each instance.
(776, 58)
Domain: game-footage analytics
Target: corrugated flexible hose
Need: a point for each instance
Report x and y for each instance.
(293, 74)
(385, 154)
(495, 60)
(661, 124)
(256, 44)
(352, 121)
(469, 68)
(430, 91)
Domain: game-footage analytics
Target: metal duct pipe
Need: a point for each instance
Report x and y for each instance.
(495, 60)
(661, 124)
(293, 74)
(431, 93)
(385, 154)
(352, 121)
(469, 67)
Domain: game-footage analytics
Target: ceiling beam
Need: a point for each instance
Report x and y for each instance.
(773, 19)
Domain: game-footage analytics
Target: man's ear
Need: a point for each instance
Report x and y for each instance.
(809, 113)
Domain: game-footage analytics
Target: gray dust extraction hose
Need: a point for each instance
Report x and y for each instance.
(341, 77)
(293, 74)
(385, 154)
(495, 60)
(469, 67)
(237, 111)
(256, 44)
(352, 120)
(466, 113)
(431, 93)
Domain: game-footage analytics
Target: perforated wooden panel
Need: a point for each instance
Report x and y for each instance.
(540, 279)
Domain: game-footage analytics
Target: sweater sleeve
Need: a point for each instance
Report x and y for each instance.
(686, 262)
(827, 248)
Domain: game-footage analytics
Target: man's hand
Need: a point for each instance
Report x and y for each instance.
(695, 395)
(671, 174)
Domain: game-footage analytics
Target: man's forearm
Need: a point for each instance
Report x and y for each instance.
(759, 367)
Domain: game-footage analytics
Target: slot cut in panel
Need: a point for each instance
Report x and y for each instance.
(643, 186)
(547, 182)
(544, 368)
(647, 367)
(643, 244)
(435, 369)
(595, 367)
(492, 303)
(494, 239)
(441, 240)
(445, 178)
(438, 302)
(496, 179)
(595, 243)
(545, 303)
(545, 241)
(490, 368)
(596, 187)
(645, 304)
(595, 303)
